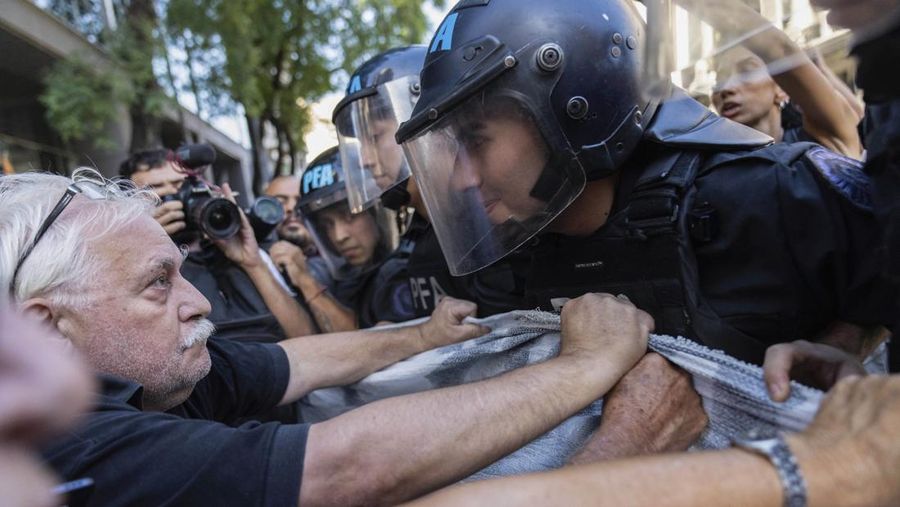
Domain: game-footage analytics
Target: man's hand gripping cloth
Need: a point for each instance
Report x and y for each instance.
(733, 392)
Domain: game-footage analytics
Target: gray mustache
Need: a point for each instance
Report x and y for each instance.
(201, 332)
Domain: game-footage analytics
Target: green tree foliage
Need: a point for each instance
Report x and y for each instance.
(81, 98)
(272, 57)
(279, 56)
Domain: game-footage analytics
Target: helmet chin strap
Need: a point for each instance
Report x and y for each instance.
(552, 178)
(397, 196)
(597, 161)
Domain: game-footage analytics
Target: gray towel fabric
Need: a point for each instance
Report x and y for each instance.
(733, 392)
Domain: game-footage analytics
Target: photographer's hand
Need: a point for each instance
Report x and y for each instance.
(170, 215)
(241, 248)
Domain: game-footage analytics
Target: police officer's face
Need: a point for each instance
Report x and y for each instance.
(744, 91)
(163, 181)
(354, 237)
(502, 157)
(381, 155)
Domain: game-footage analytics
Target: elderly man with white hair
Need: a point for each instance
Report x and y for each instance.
(86, 257)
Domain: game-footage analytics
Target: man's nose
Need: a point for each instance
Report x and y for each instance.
(368, 156)
(341, 231)
(289, 204)
(194, 305)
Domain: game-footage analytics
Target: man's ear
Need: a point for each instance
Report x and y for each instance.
(40, 310)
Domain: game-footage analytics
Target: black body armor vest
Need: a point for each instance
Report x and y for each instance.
(498, 288)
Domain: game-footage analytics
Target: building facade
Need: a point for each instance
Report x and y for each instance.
(35, 35)
(695, 43)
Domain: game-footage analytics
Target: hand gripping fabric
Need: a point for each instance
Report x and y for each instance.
(733, 392)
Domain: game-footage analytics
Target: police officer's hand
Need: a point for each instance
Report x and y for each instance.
(170, 215)
(653, 409)
(857, 14)
(447, 323)
(605, 330)
(241, 248)
(813, 364)
(291, 259)
(853, 442)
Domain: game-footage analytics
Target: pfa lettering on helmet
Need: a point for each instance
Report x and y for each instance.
(553, 86)
(381, 95)
(322, 183)
(317, 178)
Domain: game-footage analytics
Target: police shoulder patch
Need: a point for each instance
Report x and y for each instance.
(844, 175)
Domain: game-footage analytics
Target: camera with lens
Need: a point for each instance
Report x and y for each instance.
(264, 215)
(216, 217)
(212, 214)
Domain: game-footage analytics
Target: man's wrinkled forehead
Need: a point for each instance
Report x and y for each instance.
(131, 249)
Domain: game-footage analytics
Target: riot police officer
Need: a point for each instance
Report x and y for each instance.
(354, 262)
(381, 95)
(535, 121)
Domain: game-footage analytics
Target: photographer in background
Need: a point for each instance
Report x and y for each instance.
(287, 190)
(249, 300)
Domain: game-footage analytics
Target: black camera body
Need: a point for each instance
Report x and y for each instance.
(214, 216)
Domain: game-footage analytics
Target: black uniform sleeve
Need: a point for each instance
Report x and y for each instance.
(794, 250)
(834, 237)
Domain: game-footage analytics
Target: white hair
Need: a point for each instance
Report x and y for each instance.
(60, 263)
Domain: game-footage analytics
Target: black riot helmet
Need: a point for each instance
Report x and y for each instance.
(381, 95)
(350, 243)
(563, 77)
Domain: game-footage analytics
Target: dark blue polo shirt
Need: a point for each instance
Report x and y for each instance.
(192, 455)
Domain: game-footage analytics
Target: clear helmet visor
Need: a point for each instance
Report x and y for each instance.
(352, 244)
(486, 176)
(716, 49)
(373, 161)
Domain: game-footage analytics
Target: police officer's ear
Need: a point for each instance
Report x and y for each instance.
(781, 97)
